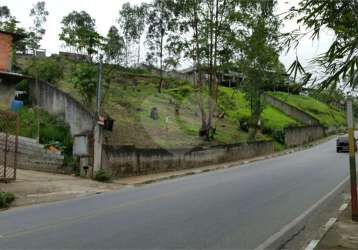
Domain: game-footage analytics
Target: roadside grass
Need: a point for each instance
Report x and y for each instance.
(327, 115)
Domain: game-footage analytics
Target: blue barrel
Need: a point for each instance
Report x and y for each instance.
(16, 105)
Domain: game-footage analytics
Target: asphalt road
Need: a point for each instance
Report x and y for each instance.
(237, 208)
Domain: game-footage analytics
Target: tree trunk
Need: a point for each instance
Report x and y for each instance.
(198, 74)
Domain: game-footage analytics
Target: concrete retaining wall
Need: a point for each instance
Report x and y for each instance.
(301, 135)
(292, 111)
(62, 104)
(33, 156)
(127, 161)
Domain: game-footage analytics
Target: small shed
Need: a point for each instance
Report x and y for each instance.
(7, 40)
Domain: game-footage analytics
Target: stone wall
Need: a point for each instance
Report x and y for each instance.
(128, 160)
(296, 136)
(292, 111)
(59, 103)
(33, 156)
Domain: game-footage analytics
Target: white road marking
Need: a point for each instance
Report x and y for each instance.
(312, 245)
(330, 223)
(276, 236)
(343, 207)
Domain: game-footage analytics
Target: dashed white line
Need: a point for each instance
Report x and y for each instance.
(312, 245)
(330, 223)
(343, 207)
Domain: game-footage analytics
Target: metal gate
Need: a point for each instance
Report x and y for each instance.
(9, 130)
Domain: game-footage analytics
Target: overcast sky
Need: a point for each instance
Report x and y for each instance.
(106, 13)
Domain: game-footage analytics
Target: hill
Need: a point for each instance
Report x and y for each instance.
(130, 95)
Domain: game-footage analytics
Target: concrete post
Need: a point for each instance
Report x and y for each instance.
(98, 140)
(352, 161)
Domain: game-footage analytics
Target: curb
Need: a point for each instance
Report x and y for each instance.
(278, 240)
(326, 228)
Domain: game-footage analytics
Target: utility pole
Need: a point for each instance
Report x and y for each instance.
(37, 109)
(352, 160)
(99, 83)
(98, 129)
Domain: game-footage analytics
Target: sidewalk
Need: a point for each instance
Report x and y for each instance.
(33, 187)
(342, 235)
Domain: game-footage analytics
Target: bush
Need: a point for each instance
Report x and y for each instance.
(103, 176)
(52, 130)
(47, 69)
(84, 79)
(6, 199)
(22, 86)
(279, 135)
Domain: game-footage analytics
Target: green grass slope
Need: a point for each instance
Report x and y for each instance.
(237, 107)
(327, 115)
(133, 93)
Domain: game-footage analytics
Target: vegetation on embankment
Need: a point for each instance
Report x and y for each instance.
(130, 95)
(327, 115)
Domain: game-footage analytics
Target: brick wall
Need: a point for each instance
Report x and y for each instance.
(5, 52)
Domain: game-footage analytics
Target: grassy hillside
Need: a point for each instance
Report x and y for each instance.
(132, 94)
(327, 115)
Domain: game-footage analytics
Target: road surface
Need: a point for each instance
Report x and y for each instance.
(237, 208)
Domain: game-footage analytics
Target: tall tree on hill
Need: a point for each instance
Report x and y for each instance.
(259, 54)
(161, 24)
(132, 22)
(79, 32)
(207, 25)
(114, 46)
(37, 31)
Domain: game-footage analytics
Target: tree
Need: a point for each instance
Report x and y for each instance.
(37, 31)
(79, 32)
(10, 24)
(259, 54)
(208, 35)
(84, 78)
(161, 23)
(114, 46)
(132, 22)
(340, 61)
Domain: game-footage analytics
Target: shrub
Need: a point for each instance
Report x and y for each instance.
(84, 79)
(52, 130)
(23, 85)
(47, 69)
(279, 135)
(6, 199)
(103, 176)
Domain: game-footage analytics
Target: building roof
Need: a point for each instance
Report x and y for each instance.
(16, 36)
